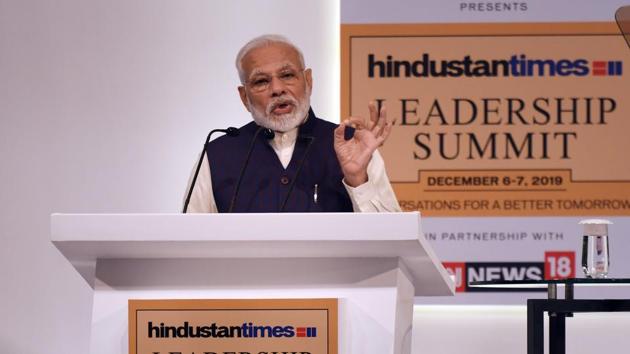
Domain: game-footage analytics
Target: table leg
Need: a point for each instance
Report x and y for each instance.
(535, 328)
(557, 333)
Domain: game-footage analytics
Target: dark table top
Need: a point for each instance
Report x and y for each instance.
(544, 283)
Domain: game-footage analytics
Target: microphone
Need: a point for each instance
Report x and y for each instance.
(231, 131)
(268, 134)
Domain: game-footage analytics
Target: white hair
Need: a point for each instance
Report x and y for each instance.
(263, 41)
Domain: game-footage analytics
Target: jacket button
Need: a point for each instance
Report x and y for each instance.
(284, 180)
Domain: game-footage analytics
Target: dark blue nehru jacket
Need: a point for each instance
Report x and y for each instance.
(266, 183)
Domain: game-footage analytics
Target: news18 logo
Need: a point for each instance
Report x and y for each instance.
(556, 265)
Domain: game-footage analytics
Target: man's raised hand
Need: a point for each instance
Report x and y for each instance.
(355, 154)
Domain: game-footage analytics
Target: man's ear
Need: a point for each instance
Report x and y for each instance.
(243, 94)
(308, 76)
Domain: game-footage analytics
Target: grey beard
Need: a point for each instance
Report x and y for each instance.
(285, 122)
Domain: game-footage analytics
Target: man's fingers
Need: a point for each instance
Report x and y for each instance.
(360, 134)
(373, 115)
(382, 122)
(356, 122)
(386, 131)
(339, 131)
(383, 113)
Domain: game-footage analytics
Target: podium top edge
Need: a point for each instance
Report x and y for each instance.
(238, 214)
(236, 227)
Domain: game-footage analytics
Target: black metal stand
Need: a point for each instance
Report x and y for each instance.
(558, 310)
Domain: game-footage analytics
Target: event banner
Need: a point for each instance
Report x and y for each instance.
(504, 136)
(297, 326)
(497, 119)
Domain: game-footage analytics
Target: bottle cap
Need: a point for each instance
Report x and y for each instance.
(596, 227)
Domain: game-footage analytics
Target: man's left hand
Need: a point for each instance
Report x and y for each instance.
(355, 154)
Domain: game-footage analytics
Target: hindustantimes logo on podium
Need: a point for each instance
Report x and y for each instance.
(287, 326)
(246, 330)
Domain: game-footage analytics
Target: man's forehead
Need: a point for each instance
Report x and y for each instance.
(271, 58)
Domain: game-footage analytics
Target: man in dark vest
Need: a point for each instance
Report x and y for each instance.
(287, 159)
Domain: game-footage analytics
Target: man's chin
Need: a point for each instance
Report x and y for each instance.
(281, 118)
(279, 123)
(282, 122)
(285, 122)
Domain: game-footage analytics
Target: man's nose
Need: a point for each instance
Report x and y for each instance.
(278, 87)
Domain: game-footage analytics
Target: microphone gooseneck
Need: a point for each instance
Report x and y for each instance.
(231, 131)
(240, 176)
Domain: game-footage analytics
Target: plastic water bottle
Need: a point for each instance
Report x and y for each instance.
(595, 256)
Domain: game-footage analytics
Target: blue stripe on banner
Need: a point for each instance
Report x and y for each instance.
(611, 68)
(314, 332)
(619, 68)
(308, 331)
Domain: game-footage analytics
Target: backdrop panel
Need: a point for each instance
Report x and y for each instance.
(504, 137)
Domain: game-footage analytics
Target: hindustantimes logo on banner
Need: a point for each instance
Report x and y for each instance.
(517, 65)
(497, 119)
(295, 326)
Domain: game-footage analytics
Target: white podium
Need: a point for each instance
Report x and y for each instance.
(375, 263)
